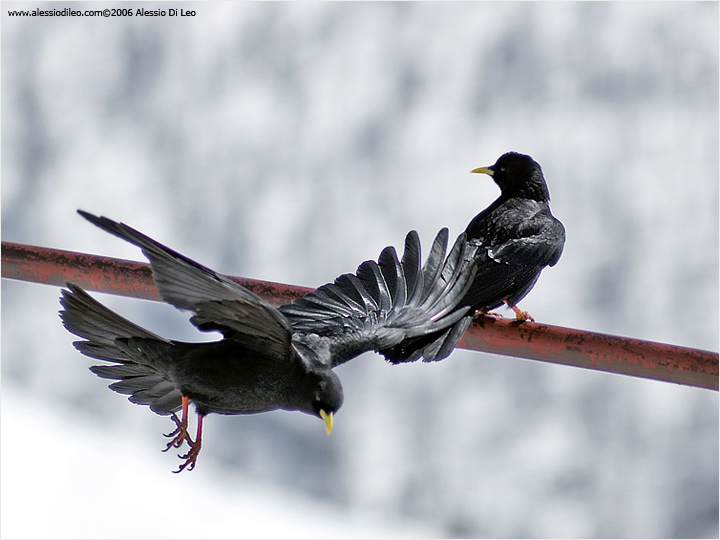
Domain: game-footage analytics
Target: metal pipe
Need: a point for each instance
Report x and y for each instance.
(110, 275)
(592, 350)
(579, 348)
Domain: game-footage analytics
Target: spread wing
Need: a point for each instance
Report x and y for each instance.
(390, 302)
(217, 302)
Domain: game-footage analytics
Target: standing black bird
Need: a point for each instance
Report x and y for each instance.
(268, 358)
(508, 245)
(515, 237)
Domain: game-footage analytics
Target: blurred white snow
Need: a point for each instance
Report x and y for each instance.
(290, 142)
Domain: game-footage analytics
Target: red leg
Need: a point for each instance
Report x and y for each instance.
(180, 434)
(191, 457)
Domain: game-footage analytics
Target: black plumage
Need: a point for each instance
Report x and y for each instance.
(515, 237)
(508, 245)
(268, 358)
(407, 303)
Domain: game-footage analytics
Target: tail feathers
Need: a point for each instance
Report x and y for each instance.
(153, 390)
(87, 318)
(140, 359)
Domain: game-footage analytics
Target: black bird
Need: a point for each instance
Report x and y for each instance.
(514, 238)
(508, 245)
(268, 358)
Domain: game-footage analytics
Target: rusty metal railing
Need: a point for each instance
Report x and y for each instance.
(567, 346)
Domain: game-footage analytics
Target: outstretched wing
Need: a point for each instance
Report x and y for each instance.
(217, 302)
(390, 302)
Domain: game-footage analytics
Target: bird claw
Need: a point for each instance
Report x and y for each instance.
(178, 426)
(180, 434)
(522, 316)
(480, 314)
(190, 458)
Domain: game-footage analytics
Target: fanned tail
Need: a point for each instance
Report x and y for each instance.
(138, 357)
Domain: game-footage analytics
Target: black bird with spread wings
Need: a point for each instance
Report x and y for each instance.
(515, 237)
(269, 358)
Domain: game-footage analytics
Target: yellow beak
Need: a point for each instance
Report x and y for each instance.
(328, 418)
(484, 170)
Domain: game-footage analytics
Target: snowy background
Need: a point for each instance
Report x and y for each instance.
(290, 142)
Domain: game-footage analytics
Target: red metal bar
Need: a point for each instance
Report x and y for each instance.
(602, 352)
(592, 350)
(109, 275)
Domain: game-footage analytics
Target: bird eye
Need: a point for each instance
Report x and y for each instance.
(318, 405)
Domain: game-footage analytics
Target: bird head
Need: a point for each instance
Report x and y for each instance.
(327, 398)
(318, 389)
(518, 175)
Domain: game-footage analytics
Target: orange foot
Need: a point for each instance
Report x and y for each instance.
(191, 457)
(520, 315)
(180, 434)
